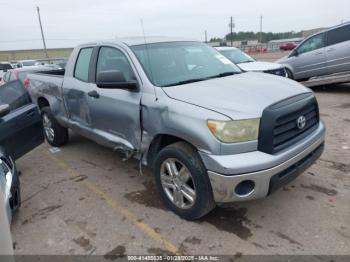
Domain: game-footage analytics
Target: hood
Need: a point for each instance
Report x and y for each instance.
(259, 66)
(240, 96)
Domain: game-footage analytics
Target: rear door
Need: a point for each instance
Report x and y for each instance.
(338, 50)
(311, 59)
(75, 89)
(115, 113)
(21, 130)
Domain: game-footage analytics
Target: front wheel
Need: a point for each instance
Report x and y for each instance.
(289, 74)
(55, 134)
(182, 181)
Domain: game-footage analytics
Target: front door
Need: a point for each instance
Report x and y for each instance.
(21, 130)
(311, 58)
(115, 113)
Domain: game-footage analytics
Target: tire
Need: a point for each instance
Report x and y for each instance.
(181, 153)
(289, 73)
(15, 200)
(55, 134)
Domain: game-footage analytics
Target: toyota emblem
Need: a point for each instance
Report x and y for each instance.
(301, 122)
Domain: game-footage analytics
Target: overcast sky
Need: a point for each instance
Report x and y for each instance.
(70, 22)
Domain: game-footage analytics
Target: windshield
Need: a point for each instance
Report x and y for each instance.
(237, 56)
(175, 63)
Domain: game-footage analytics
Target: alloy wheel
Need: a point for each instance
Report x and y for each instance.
(48, 128)
(178, 183)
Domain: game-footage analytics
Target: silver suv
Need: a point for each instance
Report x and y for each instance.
(324, 53)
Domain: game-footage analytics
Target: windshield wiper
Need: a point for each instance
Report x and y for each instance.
(244, 62)
(223, 74)
(187, 81)
(201, 79)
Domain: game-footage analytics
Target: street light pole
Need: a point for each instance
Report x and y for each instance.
(231, 25)
(42, 32)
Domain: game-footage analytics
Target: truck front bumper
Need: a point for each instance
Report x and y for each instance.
(254, 175)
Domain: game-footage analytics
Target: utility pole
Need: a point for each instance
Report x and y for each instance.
(206, 36)
(232, 26)
(42, 32)
(261, 20)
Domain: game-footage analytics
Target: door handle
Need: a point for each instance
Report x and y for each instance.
(94, 94)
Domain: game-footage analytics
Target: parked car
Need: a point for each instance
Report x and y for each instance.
(287, 46)
(4, 67)
(324, 53)
(211, 133)
(249, 64)
(24, 63)
(21, 74)
(21, 130)
(6, 246)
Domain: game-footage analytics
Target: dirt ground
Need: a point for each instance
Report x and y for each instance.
(83, 199)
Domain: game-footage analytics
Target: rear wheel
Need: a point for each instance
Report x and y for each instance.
(55, 134)
(182, 181)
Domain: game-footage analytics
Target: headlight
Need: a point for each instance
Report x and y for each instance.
(235, 131)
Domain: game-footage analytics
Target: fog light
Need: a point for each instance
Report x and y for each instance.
(245, 187)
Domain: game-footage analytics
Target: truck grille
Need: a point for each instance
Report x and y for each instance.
(279, 124)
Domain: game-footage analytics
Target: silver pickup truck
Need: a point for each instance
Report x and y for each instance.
(211, 133)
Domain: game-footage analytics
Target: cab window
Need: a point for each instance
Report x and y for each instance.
(82, 65)
(110, 58)
(312, 44)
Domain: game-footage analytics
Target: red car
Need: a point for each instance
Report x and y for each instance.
(287, 46)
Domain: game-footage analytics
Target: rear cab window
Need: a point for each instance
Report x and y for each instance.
(82, 65)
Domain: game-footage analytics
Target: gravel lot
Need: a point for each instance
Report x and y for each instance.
(84, 199)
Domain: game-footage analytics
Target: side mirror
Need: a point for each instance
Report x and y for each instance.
(4, 110)
(114, 79)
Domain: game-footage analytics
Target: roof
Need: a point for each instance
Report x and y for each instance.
(133, 41)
